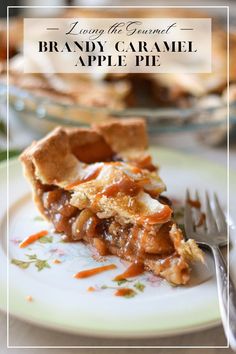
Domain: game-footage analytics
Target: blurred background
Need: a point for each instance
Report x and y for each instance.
(183, 112)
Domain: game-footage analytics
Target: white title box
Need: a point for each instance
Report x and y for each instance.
(117, 45)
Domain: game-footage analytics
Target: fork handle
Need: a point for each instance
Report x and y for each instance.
(222, 287)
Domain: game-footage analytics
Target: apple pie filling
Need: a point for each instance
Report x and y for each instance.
(142, 230)
(127, 240)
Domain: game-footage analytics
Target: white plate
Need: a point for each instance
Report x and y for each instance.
(63, 302)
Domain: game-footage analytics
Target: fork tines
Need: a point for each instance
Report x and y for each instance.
(215, 221)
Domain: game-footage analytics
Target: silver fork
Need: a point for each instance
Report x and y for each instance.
(211, 236)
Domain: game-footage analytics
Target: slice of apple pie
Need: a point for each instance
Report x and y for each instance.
(99, 185)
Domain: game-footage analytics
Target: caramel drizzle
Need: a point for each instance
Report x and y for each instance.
(90, 272)
(125, 185)
(88, 177)
(132, 271)
(159, 217)
(194, 203)
(123, 292)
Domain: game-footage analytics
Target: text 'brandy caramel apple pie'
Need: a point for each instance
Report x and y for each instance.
(99, 186)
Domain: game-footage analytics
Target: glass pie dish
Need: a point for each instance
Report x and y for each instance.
(43, 113)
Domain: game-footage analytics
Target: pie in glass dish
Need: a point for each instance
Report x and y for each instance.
(99, 186)
(118, 91)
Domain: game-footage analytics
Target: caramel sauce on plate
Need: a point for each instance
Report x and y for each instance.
(32, 238)
(123, 292)
(132, 271)
(93, 271)
(91, 289)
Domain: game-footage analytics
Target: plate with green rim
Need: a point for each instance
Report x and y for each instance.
(59, 301)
